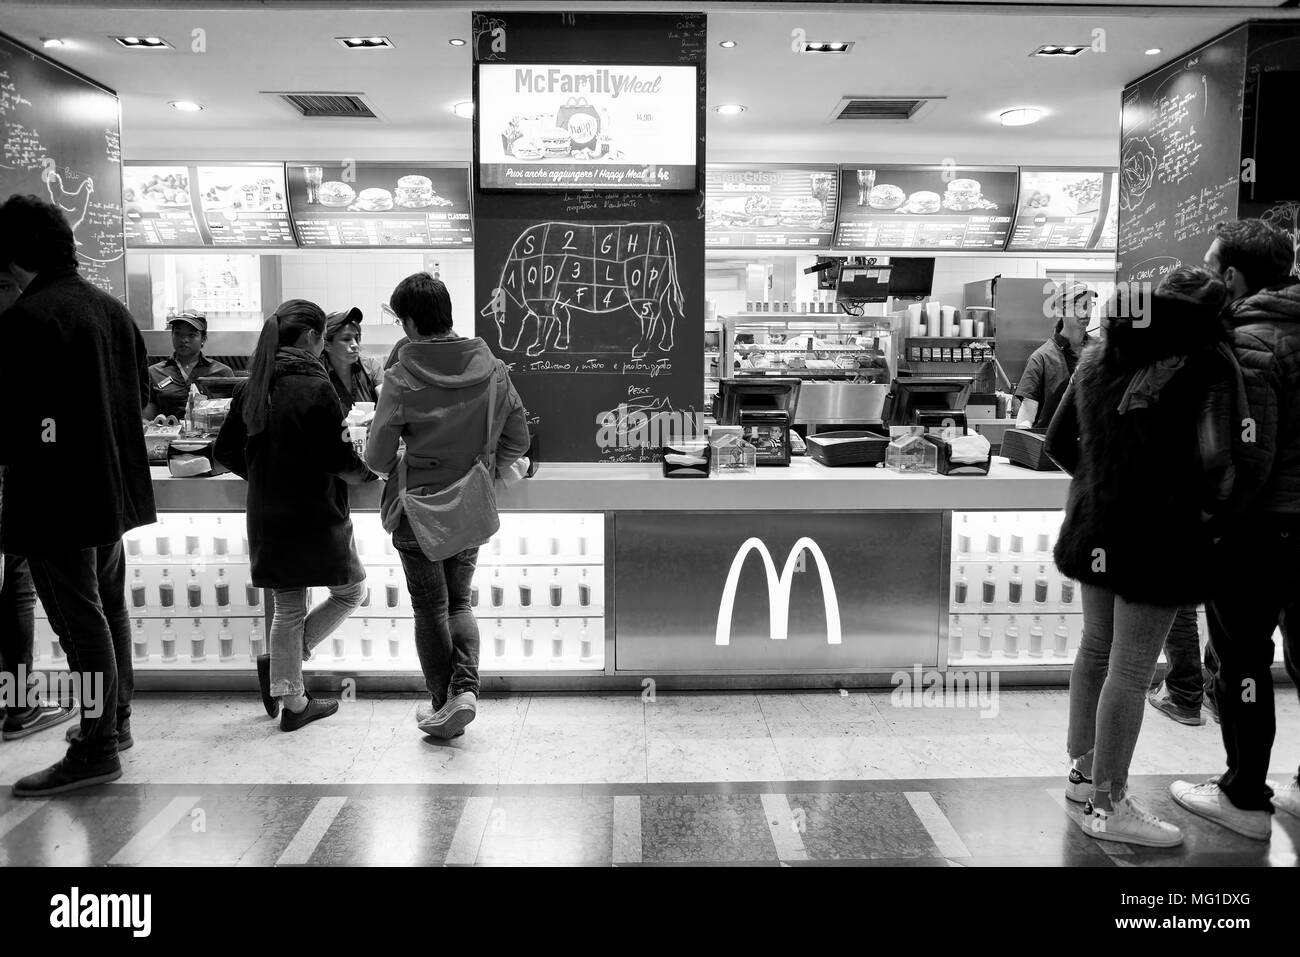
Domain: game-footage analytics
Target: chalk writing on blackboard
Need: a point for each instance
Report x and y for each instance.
(1286, 216)
(489, 37)
(594, 269)
(74, 202)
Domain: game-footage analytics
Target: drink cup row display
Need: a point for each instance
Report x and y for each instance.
(1007, 587)
(1014, 638)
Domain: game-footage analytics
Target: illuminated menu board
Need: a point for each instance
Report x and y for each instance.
(1065, 209)
(245, 205)
(925, 207)
(783, 207)
(159, 207)
(381, 205)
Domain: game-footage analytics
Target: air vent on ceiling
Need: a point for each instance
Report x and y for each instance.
(879, 107)
(336, 105)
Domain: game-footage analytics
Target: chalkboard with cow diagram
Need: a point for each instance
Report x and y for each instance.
(595, 300)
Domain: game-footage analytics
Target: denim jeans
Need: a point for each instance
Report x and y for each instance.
(1254, 591)
(1188, 682)
(295, 632)
(84, 594)
(446, 632)
(17, 619)
(1108, 685)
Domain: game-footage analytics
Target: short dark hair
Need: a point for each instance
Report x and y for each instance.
(35, 235)
(424, 301)
(1261, 252)
(1194, 284)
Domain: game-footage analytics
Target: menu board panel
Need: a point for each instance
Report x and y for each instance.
(586, 126)
(782, 207)
(381, 205)
(245, 205)
(925, 207)
(160, 207)
(1063, 209)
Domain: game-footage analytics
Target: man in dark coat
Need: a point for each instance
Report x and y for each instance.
(1257, 565)
(77, 473)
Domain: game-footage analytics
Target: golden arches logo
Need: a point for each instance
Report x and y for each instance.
(778, 590)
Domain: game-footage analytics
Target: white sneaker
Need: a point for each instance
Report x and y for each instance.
(1130, 823)
(1286, 797)
(1078, 788)
(1210, 802)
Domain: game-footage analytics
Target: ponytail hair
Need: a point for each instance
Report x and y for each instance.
(282, 328)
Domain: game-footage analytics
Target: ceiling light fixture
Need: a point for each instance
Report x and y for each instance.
(456, 42)
(365, 43)
(51, 42)
(464, 109)
(729, 109)
(1020, 116)
(143, 43)
(828, 46)
(1060, 49)
(1153, 51)
(727, 44)
(186, 106)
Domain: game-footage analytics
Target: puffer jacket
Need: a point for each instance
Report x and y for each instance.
(435, 401)
(1133, 518)
(1265, 331)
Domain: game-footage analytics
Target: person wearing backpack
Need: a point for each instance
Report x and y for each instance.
(1134, 534)
(451, 401)
(1257, 560)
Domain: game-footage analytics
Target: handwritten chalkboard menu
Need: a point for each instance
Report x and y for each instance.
(160, 207)
(1063, 209)
(407, 205)
(925, 207)
(1179, 158)
(60, 140)
(244, 204)
(595, 299)
(782, 207)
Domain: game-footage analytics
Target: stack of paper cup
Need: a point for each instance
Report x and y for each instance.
(949, 320)
(914, 320)
(967, 328)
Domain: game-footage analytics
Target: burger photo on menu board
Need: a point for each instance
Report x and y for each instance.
(964, 195)
(335, 193)
(805, 211)
(414, 192)
(886, 196)
(374, 200)
(922, 201)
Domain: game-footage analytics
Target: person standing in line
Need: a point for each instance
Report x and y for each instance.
(1050, 366)
(1133, 536)
(1258, 557)
(1189, 683)
(285, 435)
(18, 614)
(76, 474)
(452, 402)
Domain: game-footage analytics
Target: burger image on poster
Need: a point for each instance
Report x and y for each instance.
(414, 192)
(964, 195)
(556, 142)
(374, 199)
(528, 148)
(335, 193)
(802, 211)
(886, 196)
(922, 201)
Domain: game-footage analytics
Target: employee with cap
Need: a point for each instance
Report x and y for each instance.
(356, 378)
(1049, 368)
(170, 380)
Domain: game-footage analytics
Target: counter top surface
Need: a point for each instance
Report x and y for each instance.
(805, 485)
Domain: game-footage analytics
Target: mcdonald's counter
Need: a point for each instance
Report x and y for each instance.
(603, 576)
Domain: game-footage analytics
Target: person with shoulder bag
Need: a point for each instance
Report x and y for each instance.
(1143, 433)
(450, 401)
(285, 436)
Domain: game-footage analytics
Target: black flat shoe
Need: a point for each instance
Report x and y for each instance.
(316, 709)
(272, 705)
(124, 739)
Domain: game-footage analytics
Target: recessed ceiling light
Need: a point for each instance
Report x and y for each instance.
(365, 43)
(1021, 116)
(1059, 49)
(1153, 51)
(727, 44)
(49, 42)
(186, 106)
(456, 42)
(464, 109)
(827, 46)
(143, 43)
(729, 109)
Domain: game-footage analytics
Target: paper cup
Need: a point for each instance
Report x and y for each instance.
(949, 320)
(967, 328)
(914, 319)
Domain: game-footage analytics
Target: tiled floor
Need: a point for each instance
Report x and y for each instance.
(765, 778)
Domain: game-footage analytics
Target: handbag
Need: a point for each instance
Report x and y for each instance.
(462, 515)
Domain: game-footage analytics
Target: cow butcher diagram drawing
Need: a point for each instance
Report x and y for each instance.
(594, 269)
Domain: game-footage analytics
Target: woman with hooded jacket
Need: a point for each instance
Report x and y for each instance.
(285, 436)
(1130, 431)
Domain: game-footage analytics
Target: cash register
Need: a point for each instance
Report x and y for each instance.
(764, 409)
(930, 401)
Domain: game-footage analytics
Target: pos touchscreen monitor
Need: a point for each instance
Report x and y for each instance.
(928, 400)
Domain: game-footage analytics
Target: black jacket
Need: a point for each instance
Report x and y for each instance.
(1133, 519)
(71, 437)
(1266, 338)
(298, 470)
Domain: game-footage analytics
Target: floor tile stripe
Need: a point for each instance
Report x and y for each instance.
(1109, 848)
(627, 829)
(786, 830)
(467, 840)
(309, 836)
(138, 848)
(940, 829)
(20, 812)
